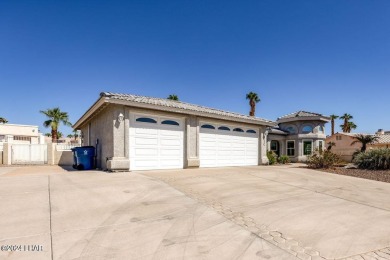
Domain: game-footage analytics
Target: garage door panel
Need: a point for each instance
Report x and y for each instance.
(157, 145)
(227, 148)
(145, 151)
(146, 141)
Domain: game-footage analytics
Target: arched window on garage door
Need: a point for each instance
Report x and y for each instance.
(238, 130)
(207, 126)
(169, 122)
(146, 120)
(250, 131)
(224, 128)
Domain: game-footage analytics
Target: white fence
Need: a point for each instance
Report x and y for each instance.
(29, 154)
(66, 147)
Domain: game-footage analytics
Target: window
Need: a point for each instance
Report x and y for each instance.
(291, 148)
(22, 138)
(238, 130)
(2, 138)
(320, 145)
(146, 120)
(208, 126)
(307, 147)
(338, 137)
(274, 145)
(224, 128)
(307, 129)
(291, 130)
(250, 131)
(169, 122)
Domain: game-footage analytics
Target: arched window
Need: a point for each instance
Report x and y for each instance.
(224, 128)
(146, 120)
(307, 129)
(169, 122)
(208, 126)
(238, 130)
(250, 131)
(291, 130)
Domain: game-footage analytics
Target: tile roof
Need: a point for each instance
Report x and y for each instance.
(162, 102)
(383, 139)
(300, 114)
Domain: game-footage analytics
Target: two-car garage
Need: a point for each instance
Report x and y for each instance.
(157, 142)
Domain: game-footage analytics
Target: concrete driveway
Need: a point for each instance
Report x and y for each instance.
(226, 213)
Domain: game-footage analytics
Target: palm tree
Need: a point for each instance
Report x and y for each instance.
(364, 140)
(350, 126)
(3, 120)
(69, 136)
(332, 118)
(253, 99)
(346, 117)
(59, 134)
(56, 116)
(173, 97)
(330, 145)
(48, 134)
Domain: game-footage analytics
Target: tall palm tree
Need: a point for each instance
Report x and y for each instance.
(332, 118)
(346, 117)
(173, 97)
(253, 99)
(69, 136)
(3, 120)
(364, 140)
(56, 116)
(351, 126)
(76, 134)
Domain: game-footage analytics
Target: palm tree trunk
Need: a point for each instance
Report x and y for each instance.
(253, 107)
(54, 136)
(332, 125)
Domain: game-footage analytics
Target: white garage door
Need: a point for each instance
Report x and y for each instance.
(223, 145)
(156, 142)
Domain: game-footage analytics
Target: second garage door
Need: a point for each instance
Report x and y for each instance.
(224, 145)
(156, 142)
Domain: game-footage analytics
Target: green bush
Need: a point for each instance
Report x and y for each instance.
(324, 159)
(376, 159)
(272, 157)
(284, 159)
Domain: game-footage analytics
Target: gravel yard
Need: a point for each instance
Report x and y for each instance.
(383, 176)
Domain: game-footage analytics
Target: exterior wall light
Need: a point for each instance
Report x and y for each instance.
(120, 117)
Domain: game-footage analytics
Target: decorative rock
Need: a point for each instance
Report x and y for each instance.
(351, 166)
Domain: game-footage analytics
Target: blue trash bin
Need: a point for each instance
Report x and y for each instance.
(83, 157)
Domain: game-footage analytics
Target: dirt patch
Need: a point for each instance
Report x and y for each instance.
(383, 176)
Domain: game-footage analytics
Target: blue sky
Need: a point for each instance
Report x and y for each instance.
(321, 56)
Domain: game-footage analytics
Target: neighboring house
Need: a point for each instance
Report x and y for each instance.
(63, 140)
(344, 148)
(298, 135)
(142, 133)
(20, 134)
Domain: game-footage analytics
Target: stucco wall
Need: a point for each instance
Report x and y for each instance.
(1, 157)
(101, 128)
(343, 147)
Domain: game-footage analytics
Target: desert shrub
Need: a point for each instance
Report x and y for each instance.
(375, 159)
(284, 159)
(323, 159)
(272, 157)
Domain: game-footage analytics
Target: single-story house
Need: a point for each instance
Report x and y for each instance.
(345, 149)
(20, 134)
(133, 132)
(298, 135)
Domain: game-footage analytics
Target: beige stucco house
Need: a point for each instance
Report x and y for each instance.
(133, 132)
(345, 149)
(20, 134)
(298, 135)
